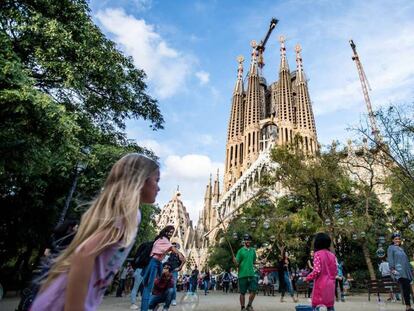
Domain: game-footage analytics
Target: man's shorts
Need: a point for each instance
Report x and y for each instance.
(248, 283)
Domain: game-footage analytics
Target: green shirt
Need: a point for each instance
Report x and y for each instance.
(246, 258)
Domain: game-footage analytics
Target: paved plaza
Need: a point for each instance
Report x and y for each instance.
(218, 301)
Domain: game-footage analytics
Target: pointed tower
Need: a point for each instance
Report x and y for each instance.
(216, 189)
(234, 146)
(252, 113)
(207, 211)
(284, 99)
(174, 213)
(305, 121)
(215, 199)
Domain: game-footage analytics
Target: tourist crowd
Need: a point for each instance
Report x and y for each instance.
(89, 259)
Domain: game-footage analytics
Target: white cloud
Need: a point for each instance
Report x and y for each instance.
(167, 69)
(161, 150)
(190, 167)
(386, 55)
(191, 172)
(203, 76)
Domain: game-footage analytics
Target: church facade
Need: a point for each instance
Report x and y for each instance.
(262, 116)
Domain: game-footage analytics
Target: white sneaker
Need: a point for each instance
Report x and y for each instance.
(174, 302)
(134, 307)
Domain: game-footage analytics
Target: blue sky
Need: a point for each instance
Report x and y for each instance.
(188, 50)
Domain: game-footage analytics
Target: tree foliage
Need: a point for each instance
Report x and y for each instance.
(63, 86)
(319, 195)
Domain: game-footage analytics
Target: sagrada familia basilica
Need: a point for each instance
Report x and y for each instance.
(262, 116)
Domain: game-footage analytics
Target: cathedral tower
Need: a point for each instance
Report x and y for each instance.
(252, 113)
(305, 121)
(234, 148)
(284, 99)
(174, 213)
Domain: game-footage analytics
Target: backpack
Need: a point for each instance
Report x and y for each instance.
(28, 294)
(226, 277)
(174, 261)
(143, 255)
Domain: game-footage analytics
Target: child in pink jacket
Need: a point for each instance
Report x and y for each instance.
(324, 273)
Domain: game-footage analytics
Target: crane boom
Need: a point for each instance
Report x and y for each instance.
(262, 45)
(365, 88)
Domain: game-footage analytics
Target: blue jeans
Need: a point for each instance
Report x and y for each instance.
(193, 285)
(288, 283)
(329, 309)
(137, 283)
(206, 283)
(149, 274)
(175, 277)
(165, 298)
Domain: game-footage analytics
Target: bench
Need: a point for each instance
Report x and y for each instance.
(301, 288)
(383, 286)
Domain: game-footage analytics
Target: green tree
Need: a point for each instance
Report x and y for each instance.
(69, 58)
(344, 207)
(63, 86)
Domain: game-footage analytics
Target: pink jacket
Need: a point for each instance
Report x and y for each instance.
(324, 273)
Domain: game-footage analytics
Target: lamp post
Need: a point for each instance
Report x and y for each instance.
(80, 166)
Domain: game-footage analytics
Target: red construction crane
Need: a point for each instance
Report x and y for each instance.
(365, 88)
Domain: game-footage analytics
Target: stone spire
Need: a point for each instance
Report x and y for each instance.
(252, 113)
(207, 210)
(234, 146)
(305, 121)
(174, 213)
(284, 99)
(216, 189)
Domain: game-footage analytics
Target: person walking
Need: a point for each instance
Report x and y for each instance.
(339, 282)
(122, 279)
(245, 259)
(176, 263)
(160, 248)
(194, 279)
(400, 268)
(285, 278)
(324, 273)
(226, 281)
(309, 267)
(80, 276)
(135, 288)
(206, 281)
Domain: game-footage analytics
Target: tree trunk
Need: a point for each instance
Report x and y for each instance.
(371, 270)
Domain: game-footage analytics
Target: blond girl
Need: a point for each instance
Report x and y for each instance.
(80, 275)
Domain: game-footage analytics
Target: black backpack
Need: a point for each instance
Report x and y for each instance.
(28, 294)
(174, 261)
(142, 256)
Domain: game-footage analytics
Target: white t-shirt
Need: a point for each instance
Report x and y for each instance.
(384, 268)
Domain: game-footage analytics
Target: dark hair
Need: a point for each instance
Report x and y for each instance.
(163, 232)
(63, 229)
(395, 235)
(321, 241)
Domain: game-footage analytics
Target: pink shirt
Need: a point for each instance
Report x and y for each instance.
(107, 263)
(324, 273)
(160, 248)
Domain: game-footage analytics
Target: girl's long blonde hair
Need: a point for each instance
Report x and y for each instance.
(114, 211)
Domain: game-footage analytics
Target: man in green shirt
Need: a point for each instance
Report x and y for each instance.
(245, 258)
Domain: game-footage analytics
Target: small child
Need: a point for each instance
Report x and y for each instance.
(324, 273)
(79, 277)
